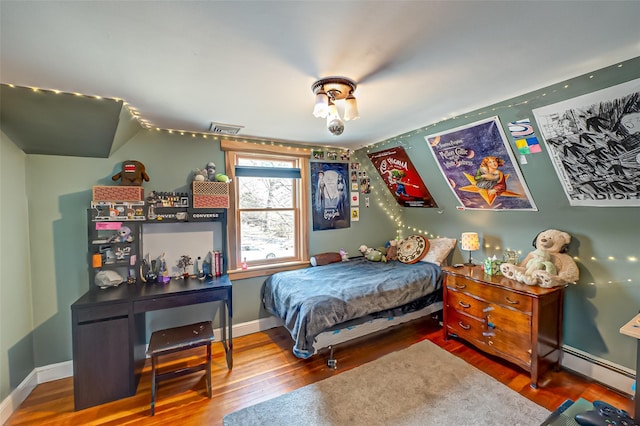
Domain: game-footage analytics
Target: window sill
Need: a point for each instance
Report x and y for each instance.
(259, 271)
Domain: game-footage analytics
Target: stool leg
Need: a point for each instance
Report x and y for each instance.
(208, 379)
(153, 385)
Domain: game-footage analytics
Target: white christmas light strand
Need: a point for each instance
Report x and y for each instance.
(397, 140)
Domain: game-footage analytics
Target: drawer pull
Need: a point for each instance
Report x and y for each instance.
(464, 326)
(488, 309)
(513, 302)
(488, 333)
(459, 286)
(464, 305)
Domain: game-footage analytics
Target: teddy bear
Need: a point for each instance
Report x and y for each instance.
(200, 175)
(548, 265)
(392, 250)
(132, 174)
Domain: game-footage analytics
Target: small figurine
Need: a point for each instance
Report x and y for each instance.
(163, 273)
(124, 235)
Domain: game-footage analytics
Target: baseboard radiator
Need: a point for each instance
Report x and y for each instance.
(600, 370)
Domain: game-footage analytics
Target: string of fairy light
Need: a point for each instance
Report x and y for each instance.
(382, 196)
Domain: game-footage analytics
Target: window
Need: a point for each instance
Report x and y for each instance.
(267, 217)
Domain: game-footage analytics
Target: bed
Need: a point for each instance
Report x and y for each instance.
(325, 305)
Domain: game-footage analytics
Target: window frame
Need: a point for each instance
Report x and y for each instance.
(234, 149)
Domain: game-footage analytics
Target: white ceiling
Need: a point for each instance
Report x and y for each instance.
(183, 64)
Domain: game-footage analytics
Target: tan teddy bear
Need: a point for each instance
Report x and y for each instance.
(548, 265)
(392, 250)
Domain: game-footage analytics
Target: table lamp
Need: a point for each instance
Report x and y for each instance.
(470, 242)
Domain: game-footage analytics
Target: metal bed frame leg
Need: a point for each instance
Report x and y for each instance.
(332, 362)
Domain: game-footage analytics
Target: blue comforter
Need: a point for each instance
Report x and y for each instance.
(312, 300)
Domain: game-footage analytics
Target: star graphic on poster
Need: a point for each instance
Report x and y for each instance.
(486, 194)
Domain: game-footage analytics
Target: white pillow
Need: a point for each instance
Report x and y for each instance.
(439, 249)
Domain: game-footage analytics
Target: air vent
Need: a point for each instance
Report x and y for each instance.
(224, 129)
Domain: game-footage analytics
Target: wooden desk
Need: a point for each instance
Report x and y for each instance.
(109, 333)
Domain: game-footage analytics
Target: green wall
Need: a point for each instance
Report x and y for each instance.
(16, 315)
(41, 279)
(59, 192)
(608, 293)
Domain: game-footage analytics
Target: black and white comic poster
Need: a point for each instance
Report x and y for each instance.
(594, 144)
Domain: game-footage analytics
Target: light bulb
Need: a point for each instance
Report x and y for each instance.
(335, 125)
(351, 108)
(321, 108)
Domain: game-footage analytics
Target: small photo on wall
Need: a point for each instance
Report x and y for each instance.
(318, 155)
(365, 185)
(355, 198)
(354, 186)
(524, 137)
(355, 214)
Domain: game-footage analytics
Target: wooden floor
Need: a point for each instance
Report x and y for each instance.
(264, 367)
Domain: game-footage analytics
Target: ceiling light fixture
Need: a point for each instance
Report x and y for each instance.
(329, 90)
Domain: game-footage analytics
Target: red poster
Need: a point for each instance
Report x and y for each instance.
(401, 178)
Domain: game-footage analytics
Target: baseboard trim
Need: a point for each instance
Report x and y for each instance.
(606, 372)
(598, 369)
(62, 370)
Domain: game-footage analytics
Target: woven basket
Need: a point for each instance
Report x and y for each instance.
(208, 195)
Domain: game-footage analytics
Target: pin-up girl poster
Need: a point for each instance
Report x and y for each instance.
(330, 195)
(479, 166)
(402, 178)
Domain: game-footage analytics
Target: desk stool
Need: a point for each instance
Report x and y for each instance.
(177, 339)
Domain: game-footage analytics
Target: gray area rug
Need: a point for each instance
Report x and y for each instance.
(421, 385)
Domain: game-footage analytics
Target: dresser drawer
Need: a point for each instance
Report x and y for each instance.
(513, 346)
(492, 294)
(463, 326)
(508, 319)
(509, 332)
(465, 303)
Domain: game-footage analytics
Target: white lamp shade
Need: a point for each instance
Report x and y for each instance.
(333, 109)
(351, 108)
(321, 108)
(470, 241)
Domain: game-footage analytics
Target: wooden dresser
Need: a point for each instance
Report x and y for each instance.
(519, 323)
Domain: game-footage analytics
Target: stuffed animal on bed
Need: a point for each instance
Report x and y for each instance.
(548, 265)
(374, 255)
(344, 255)
(392, 250)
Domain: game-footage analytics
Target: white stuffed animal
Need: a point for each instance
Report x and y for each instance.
(548, 265)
